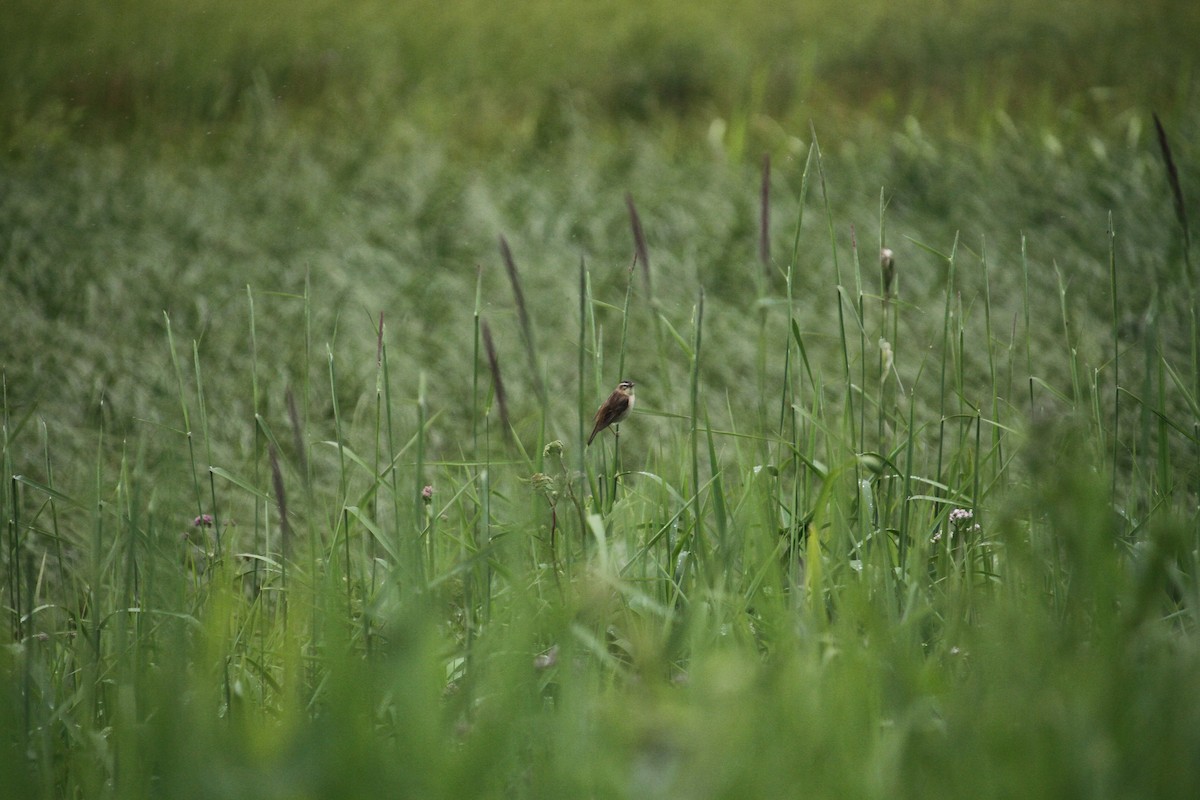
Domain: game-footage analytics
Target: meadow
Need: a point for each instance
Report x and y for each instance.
(305, 311)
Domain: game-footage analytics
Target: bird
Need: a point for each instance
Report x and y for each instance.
(615, 408)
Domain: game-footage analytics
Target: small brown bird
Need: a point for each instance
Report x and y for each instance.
(615, 408)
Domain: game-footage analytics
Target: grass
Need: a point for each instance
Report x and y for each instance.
(754, 607)
(272, 527)
(535, 68)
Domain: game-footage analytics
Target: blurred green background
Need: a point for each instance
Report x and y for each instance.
(172, 156)
(485, 71)
(169, 156)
